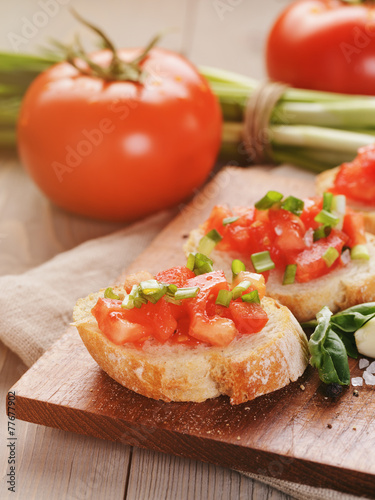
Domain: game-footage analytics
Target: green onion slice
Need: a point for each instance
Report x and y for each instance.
(202, 264)
(240, 289)
(128, 302)
(294, 205)
(327, 218)
(190, 261)
(237, 267)
(251, 297)
(339, 209)
(229, 220)
(149, 287)
(109, 294)
(268, 200)
(262, 261)
(321, 232)
(330, 256)
(223, 298)
(186, 293)
(327, 201)
(290, 274)
(208, 242)
(359, 252)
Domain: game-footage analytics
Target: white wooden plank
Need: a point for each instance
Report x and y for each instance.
(164, 477)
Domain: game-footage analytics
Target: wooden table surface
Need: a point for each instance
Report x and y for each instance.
(62, 465)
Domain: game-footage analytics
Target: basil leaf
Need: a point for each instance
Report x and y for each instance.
(328, 353)
(353, 318)
(348, 340)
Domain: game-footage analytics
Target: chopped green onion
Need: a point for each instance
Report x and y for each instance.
(128, 302)
(327, 201)
(359, 252)
(268, 200)
(290, 274)
(202, 264)
(186, 293)
(251, 297)
(262, 261)
(229, 220)
(339, 209)
(149, 287)
(240, 288)
(190, 262)
(330, 256)
(237, 267)
(339, 204)
(294, 205)
(327, 218)
(223, 298)
(109, 294)
(172, 288)
(321, 232)
(136, 296)
(208, 242)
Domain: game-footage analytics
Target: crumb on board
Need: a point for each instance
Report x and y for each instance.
(302, 387)
(329, 426)
(355, 393)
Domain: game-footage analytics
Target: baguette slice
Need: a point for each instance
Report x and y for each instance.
(341, 288)
(325, 181)
(252, 365)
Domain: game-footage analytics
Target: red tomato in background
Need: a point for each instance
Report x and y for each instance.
(120, 150)
(324, 45)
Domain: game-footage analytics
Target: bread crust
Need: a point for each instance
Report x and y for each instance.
(341, 288)
(325, 181)
(252, 365)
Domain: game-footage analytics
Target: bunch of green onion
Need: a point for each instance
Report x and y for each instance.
(315, 130)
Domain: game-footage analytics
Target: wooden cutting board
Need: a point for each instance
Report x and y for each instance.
(296, 433)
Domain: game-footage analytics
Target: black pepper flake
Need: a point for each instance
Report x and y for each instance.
(333, 390)
(355, 393)
(329, 426)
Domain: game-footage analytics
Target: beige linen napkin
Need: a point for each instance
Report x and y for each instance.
(36, 307)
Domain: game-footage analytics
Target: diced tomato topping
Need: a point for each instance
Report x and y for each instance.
(157, 317)
(357, 178)
(112, 322)
(248, 318)
(311, 209)
(289, 231)
(288, 238)
(197, 319)
(354, 228)
(177, 275)
(310, 262)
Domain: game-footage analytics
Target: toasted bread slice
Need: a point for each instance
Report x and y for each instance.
(325, 181)
(252, 365)
(341, 288)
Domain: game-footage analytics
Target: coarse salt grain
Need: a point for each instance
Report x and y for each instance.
(369, 378)
(363, 363)
(357, 381)
(371, 368)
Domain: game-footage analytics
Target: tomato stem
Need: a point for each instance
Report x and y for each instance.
(118, 69)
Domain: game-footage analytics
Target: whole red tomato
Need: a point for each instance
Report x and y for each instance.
(324, 45)
(119, 150)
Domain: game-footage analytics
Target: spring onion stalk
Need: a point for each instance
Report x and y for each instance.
(290, 274)
(237, 267)
(209, 241)
(312, 129)
(359, 252)
(262, 261)
(330, 256)
(251, 297)
(293, 204)
(240, 289)
(223, 298)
